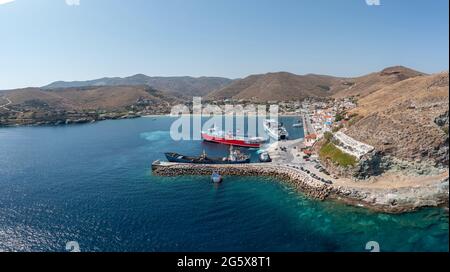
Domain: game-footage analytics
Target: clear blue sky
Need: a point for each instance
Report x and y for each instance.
(46, 40)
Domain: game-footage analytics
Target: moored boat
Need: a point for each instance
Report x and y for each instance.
(264, 157)
(235, 157)
(216, 177)
(275, 130)
(298, 124)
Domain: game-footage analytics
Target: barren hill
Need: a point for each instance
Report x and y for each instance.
(408, 119)
(364, 85)
(184, 86)
(279, 86)
(287, 86)
(86, 98)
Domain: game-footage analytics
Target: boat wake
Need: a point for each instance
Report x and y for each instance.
(154, 136)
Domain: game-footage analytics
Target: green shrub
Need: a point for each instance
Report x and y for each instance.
(328, 136)
(339, 117)
(330, 151)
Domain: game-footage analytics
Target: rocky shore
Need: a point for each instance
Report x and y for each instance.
(391, 200)
(58, 119)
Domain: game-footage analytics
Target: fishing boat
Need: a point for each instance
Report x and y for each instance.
(217, 136)
(234, 157)
(275, 130)
(216, 177)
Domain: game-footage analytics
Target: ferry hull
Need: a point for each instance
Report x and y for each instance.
(234, 142)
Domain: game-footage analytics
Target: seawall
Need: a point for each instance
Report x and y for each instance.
(300, 181)
(390, 200)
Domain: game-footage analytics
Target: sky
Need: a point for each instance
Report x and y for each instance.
(42, 41)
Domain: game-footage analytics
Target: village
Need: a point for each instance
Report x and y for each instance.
(305, 162)
(324, 123)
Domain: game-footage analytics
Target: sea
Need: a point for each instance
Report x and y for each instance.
(92, 185)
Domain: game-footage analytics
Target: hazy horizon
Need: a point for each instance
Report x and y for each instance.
(93, 39)
(209, 76)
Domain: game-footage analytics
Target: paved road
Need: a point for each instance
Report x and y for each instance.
(292, 157)
(307, 125)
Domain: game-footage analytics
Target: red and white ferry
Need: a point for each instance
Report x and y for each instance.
(216, 136)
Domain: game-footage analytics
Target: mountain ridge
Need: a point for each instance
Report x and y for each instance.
(288, 86)
(181, 85)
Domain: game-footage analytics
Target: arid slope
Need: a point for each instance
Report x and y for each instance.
(408, 119)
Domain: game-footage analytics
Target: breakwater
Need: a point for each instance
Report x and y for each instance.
(297, 179)
(390, 200)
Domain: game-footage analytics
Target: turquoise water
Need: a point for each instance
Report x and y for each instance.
(93, 184)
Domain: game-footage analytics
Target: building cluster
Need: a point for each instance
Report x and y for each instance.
(320, 116)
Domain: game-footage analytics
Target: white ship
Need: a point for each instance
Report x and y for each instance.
(275, 130)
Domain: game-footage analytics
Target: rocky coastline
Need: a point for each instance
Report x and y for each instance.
(65, 119)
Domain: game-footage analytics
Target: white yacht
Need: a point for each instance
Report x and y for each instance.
(275, 130)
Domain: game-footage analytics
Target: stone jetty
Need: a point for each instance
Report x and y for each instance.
(299, 180)
(385, 200)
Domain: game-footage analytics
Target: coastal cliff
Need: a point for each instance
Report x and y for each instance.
(406, 124)
(407, 120)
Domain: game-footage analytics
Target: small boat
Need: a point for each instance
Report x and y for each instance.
(264, 157)
(234, 157)
(275, 130)
(220, 137)
(216, 177)
(299, 124)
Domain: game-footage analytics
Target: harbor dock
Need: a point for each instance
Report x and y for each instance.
(390, 192)
(377, 198)
(300, 180)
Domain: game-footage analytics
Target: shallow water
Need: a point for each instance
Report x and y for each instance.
(93, 184)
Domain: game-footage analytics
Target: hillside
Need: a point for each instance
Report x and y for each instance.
(287, 86)
(279, 86)
(367, 84)
(87, 98)
(408, 119)
(184, 86)
(35, 106)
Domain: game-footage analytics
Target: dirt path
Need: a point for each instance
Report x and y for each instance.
(4, 106)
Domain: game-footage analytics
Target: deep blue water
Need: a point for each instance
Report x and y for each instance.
(93, 184)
